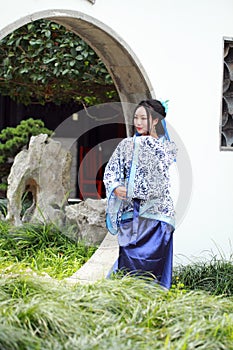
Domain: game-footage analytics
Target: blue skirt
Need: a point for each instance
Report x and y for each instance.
(149, 251)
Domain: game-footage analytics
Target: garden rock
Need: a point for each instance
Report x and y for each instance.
(88, 220)
(44, 171)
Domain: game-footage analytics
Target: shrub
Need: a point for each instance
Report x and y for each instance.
(13, 140)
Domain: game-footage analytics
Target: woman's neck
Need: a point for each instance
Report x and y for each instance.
(154, 134)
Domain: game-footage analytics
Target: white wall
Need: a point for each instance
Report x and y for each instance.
(180, 45)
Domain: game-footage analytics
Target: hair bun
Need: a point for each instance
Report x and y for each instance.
(155, 105)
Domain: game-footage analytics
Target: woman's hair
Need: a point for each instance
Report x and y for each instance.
(156, 110)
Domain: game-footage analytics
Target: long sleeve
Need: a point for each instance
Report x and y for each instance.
(115, 174)
(112, 174)
(141, 164)
(117, 169)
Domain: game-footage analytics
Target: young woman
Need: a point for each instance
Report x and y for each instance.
(140, 209)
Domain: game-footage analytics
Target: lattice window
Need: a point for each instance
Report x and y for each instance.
(226, 126)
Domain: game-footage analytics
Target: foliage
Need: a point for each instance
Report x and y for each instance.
(40, 248)
(3, 206)
(44, 62)
(111, 314)
(13, 139)
(37, 312)
(214, 276)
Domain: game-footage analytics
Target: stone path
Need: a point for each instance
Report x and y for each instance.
(98, 266)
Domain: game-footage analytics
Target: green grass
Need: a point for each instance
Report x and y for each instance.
(214, 276)
(126, 313)
(42, 249)
(129, 313)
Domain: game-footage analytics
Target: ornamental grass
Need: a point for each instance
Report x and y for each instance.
(44, 249)
(38, 313)
(214, 275)
(125, 313)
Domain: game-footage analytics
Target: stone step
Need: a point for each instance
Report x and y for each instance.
(101, 262)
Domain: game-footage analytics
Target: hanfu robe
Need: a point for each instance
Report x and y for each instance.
(145, 220)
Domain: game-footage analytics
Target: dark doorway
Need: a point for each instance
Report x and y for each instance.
(90, 180)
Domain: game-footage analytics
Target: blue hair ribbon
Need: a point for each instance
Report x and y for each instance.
(165, 129)
(165, 105)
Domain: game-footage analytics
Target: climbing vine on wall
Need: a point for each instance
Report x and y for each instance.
(44, 62)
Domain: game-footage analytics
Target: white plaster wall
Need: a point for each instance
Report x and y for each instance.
(180, 45)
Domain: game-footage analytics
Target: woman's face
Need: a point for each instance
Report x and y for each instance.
(140, 120)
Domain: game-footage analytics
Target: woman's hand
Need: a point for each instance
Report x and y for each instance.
(121, 192)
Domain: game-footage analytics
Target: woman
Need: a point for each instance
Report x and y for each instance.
(140, 209)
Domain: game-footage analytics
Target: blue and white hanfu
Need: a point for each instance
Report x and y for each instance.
(145, 221)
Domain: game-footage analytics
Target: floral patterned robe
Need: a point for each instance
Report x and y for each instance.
(141, 163)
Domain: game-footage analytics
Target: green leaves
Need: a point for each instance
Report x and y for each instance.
(12, 140)
(35, 58)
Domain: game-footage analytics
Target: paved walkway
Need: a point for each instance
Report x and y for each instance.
(98, 266)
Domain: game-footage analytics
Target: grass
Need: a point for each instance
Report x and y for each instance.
(42, 249)
(127, 313)
(214, 276)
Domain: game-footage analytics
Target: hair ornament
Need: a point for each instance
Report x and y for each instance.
(165, 105)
